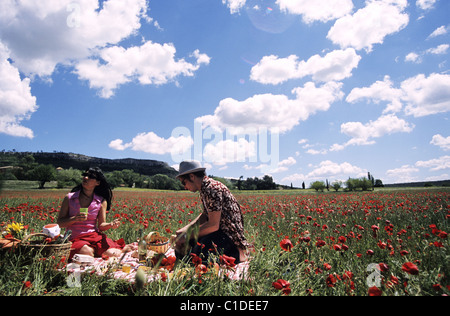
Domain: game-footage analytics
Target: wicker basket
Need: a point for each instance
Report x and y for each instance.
(8, 244)
(33, 248)
(157, 243)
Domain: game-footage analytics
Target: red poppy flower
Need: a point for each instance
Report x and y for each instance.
(374, 291)
(410, 268)
(286, 244)
(196, 260)
(383, 267)
(227, 260)
(331, 280)
(283, 286)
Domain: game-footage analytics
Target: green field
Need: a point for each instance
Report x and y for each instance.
(346, 244)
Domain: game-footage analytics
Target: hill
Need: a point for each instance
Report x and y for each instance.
(82, 162)
(443, 183)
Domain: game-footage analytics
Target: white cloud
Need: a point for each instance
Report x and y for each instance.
(273, 112)
(402, 174)
(16, 101)
(86, 35)
(150, 63)
(72, 29)
(335, 66)
(227, 151)
(363, 134)
(274, 70)
(234, 5)
(442, 30)
(440, 50)
(329, 169)
(378, 92)
(418, 58)
(426, 96)
(420, 95)
(313, 10)
(153, 144)
(425, 4)
(443, 142)
(370, 25)
(440, 163)
(317, 152)
(413, 58)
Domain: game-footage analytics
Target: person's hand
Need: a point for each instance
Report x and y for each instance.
(80, 218)
(115, 224)
(180, 240)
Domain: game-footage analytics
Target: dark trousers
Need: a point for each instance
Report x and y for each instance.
(216, 243)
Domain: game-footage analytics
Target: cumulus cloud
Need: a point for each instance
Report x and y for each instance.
(226, 151)
(426, 95)
(273, 112)
(380, 91)
(441, 141)
(16, 101)
(150, 63)
(72, 30)
(334, 66)
(418, 57)
(418, 96)
(437, 164)
(403, 174)
(86, 35)
(234, 5)
(329, 170)
(370, 25)
(442, 30)
(154, 144)
(313, 10)
(364, 134)
(425, 4)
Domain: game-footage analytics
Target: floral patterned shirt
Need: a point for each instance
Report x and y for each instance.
(217, 198)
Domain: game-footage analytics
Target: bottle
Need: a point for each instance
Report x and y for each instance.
(66, 236)
(142, 247)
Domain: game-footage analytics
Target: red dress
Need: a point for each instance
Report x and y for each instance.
(87, 232)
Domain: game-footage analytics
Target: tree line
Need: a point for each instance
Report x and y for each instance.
(352, 184)
(26, 168)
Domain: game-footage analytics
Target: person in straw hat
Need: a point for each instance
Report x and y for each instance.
(220, 228)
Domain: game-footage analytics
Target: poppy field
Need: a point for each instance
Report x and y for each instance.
(390, 243)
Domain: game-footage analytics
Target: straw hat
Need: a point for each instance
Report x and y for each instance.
(187, 167)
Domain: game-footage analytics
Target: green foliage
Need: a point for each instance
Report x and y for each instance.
(318, 185)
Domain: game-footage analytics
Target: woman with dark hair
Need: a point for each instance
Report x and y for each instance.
(94, 196)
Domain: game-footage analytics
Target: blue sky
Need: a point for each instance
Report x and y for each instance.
(302, 90)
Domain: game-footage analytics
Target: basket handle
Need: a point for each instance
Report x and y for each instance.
(33, 235)
(149, 236)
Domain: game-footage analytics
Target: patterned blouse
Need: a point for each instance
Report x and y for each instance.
(216, 197)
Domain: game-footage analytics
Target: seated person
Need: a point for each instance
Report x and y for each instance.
(220, 228)
(87, 236)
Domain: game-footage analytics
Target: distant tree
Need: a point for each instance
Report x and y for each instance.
(303, 185)
(68, 178)
(42, 174)
(378, 183)
(318, 186)
(336, 185)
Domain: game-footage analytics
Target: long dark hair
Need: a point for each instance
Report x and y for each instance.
(104, 189)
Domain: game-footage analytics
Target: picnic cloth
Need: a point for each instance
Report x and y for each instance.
(109, 267)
